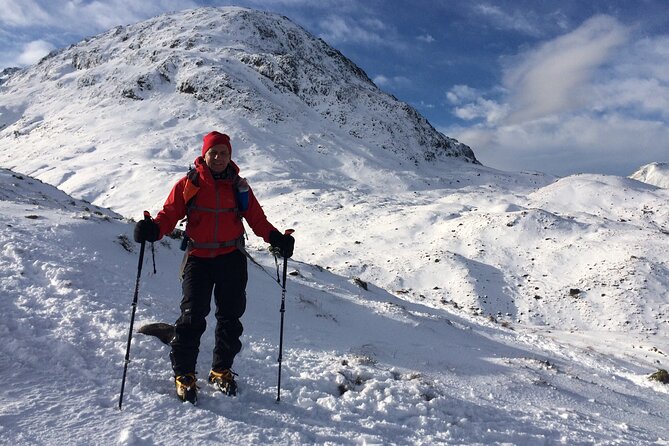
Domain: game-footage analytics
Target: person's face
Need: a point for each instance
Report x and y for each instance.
(217, 158)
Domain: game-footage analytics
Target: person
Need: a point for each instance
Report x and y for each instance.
(214, 198)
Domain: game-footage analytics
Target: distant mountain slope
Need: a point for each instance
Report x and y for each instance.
(656, 174)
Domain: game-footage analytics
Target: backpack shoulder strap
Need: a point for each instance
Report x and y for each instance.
(192, 187)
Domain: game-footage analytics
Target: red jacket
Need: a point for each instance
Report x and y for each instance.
(212, 217)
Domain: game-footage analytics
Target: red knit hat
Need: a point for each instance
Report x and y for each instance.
(214, 139)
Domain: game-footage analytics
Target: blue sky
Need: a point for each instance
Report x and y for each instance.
(556, 86)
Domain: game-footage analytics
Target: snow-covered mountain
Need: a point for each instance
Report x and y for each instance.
(148, 92)
(654, 173)
(498, 292)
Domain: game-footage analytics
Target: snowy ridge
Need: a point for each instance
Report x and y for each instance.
(360, 367)
(653, 173)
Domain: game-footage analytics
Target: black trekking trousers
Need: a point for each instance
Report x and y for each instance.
(226, 275)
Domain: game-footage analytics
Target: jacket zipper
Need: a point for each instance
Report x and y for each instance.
(218, 206)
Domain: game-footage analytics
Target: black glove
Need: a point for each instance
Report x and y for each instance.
(285, 243)
(146, 231)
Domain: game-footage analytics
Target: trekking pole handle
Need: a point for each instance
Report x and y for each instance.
(147, 217)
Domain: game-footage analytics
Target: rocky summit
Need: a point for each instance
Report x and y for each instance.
(238, 70)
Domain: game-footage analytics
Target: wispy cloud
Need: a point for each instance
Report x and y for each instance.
(597, 144)
(82, 15)
(20, 13)
(639, 80)
(340, 29)
(471, 104)
(38, 25)
(427, 38)
(462, 93)
(487, 109)
(556, 76)
(595, 93)
(34, 51)
(517, 20)
(392, 81)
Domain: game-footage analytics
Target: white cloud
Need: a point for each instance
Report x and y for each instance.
(110, 13)
(470, 104)
(614, 143)
(556, 76)
(639, 80)
(462, 93)
(427, 38)
(594, 98)
(26, 20)
(640, 96)
(19, 13)
(517, 20)
(87, 16)
(491, 111)
(339, 30)
(393, 81)
(34, 51)
(425, 105)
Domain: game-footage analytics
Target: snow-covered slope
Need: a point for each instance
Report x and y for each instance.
(360, 366)
(477, 277)
(653, 173)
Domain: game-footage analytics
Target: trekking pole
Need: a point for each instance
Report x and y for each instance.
(282, 310)
(147, 216)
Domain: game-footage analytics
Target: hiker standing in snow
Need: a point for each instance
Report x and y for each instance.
(214, 198)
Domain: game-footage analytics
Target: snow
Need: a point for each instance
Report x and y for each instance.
(501, 307)
(411, 371)
(653, 173)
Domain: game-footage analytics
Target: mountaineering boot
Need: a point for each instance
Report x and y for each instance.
(186, 387)
(224, 381)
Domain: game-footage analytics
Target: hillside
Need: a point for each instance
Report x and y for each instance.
(360, 366)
